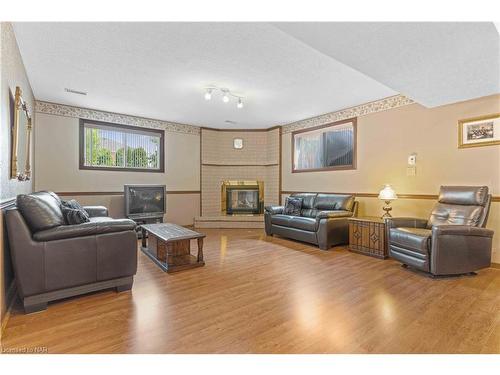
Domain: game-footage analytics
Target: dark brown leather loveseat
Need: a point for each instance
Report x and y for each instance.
(452, 241)
(54, 261)
(322, 221)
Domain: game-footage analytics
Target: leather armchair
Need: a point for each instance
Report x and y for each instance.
(322, 220)
(452, 241)
(53, 260)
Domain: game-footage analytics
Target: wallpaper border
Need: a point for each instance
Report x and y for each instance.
(356, 111)
(117, 118)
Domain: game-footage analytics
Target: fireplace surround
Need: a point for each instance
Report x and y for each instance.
(242, 197)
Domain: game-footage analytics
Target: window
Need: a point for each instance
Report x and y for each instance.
(107, 146)
(326, 147)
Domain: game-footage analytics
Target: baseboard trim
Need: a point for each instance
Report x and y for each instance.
(495, 265)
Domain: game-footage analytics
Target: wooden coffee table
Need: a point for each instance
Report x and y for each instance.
(169, 246)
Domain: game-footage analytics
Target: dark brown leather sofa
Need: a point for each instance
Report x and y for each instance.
(54, 261)
(322, 221)
(452, 241)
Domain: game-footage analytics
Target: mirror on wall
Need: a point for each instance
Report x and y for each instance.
(20, 167)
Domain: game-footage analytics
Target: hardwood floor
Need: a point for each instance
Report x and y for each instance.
(261, 294)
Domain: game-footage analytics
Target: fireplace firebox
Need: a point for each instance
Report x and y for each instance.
(242, 197)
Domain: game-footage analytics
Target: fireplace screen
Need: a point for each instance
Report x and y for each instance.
(242, 200)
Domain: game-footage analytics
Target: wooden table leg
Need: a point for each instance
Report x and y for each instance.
(200, 250)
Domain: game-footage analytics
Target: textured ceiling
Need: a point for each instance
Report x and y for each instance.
(286, 72)
(159, 70)
(432, 63)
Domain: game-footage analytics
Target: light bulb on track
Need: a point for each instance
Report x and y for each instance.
(208, 94)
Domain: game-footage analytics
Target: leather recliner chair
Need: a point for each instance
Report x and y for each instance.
(453, 241)
(322, 221)
(54, 261)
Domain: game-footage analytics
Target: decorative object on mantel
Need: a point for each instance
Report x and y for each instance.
(226, 93)
(479, 131)
(238, 143)
(20, 165)
(387, 194)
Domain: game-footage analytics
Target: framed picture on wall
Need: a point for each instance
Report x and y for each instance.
(479, 131)
(325, 148)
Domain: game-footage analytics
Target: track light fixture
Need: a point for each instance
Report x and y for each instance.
(226, 95)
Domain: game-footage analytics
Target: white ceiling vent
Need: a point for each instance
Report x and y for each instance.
(75, 91)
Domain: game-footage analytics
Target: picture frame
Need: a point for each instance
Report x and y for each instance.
(479, 131)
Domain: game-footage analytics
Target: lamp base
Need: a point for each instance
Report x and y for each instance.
(387, 208)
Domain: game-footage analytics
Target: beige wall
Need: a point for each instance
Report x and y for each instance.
(385, 140)
(12, 74)
(56, 161)
(256, 161)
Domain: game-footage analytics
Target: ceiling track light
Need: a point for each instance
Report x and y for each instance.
(226, 95)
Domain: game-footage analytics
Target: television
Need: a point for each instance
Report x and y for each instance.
(142, 201)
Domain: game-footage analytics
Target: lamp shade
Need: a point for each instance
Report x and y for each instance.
(387, 193)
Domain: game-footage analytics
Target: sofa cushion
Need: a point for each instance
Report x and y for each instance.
(293, 205)
(451, 214)
(304, 223)
(464, 195)
(41, 210)
(308, 212)
(307, 199)
(333, 214)
(280, 219)
(73, 212)
(97, 225)
(415, 239)
(328, 202)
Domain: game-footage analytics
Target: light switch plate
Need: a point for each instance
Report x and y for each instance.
(411, 171)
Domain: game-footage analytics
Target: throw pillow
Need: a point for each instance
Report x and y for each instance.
(293, 206)
(74, 213)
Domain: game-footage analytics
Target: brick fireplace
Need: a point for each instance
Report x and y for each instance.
(255, 166)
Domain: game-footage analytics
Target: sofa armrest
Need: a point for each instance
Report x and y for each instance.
(27, 255)
(274, 210)
(461, 230)
(458, 249)
(333, 214)
(408, 222)
(96, 211)
(84, 229)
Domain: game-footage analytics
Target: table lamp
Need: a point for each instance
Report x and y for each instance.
(387, 194)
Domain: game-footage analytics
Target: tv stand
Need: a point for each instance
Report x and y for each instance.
(141, 220)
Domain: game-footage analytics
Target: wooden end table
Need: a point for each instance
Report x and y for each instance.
(169, 246)
(367, 236)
